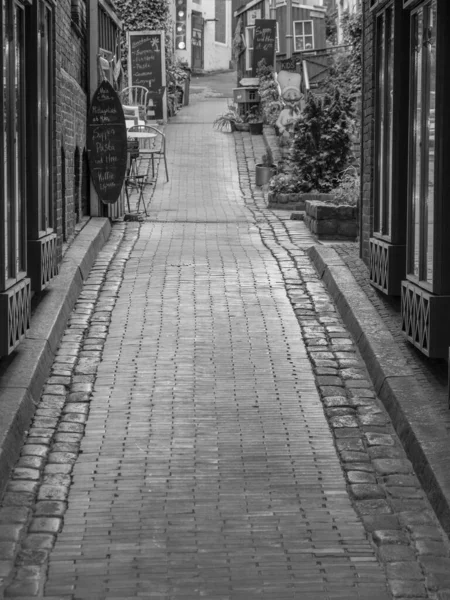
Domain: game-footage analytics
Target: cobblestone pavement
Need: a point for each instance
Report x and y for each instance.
(208, 429)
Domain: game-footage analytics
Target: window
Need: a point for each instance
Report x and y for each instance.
(249, 36)
(221, 22)
(421, 196)
(13, 172)
(303, 35)
(384, 122)
(45, 95)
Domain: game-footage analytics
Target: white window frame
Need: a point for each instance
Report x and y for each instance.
(302, 35)
(277, 41)
(248, 48)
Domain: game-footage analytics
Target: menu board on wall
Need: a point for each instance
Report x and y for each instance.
(107, 143)
(147, 66)
(264, 42)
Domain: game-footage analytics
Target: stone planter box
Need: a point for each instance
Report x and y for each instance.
(293, 201)
(330, 221)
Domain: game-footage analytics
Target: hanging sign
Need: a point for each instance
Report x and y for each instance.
(107, 143)
(288, 64)
(147, 66)
(264, 42)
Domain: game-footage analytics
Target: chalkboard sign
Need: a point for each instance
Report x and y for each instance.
(264, 42)
(146, 66)
(107, 143)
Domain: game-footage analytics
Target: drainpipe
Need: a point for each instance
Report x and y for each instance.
(273, 9)
(289, 36)
(96, 207)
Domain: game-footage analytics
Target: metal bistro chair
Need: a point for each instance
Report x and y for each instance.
(136, 95)
(152, 145)
(132, 178)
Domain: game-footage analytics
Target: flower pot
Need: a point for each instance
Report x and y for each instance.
(256, 128)
(241, 126)
(263, 173)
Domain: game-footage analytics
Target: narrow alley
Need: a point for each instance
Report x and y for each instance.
(181, 449)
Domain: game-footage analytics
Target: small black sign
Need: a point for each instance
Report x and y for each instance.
(264, 42)
(107, 143)
(146, 64)
(288, 64)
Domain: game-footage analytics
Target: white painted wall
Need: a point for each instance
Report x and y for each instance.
(217, 56)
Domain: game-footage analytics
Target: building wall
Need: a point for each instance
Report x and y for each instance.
(367, 126)
(216, 55)
(70, 120)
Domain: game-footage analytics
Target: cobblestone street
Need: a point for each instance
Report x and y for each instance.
(209, 429)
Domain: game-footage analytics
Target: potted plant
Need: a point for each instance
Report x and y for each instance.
(265, 169)
(228, 120)
(255, 121)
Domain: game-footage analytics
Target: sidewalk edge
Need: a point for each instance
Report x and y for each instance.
(416, 424)
(23, 374)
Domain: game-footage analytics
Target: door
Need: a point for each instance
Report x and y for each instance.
(197, 40)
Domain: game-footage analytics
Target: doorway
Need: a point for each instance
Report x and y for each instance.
(197, 40)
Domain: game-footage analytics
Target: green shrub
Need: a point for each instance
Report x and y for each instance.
(268, 91)
(321, 147)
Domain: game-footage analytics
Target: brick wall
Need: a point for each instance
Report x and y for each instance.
(367, 145)
(70, 118)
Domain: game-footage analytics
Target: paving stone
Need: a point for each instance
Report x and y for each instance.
(389, 536)
(432, 547)
(386, 452)
(50, 508)
(45, 525)
(360, 477)
(63, 468)
(34, 450)
(22, 485)
(39, 541)
(389, 466)
(14, 514)
(409, 570)
(366, 491)
(53, 492)
(6, 567)
(7, 550)
(354, 457)
(396, 553)
(62, 457)
(407, 589)
(373, 507)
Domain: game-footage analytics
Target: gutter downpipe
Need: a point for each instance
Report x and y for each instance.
(289, 24)
(273, 9)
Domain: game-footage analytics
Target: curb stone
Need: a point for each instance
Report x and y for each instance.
(418, 427)
(22, 374)
(36, 496)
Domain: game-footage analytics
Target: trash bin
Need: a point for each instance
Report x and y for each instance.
(187, 83)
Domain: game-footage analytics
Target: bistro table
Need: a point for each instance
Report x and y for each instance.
(133, 178)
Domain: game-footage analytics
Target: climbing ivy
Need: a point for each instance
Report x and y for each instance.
(145, 14)
(346, 68)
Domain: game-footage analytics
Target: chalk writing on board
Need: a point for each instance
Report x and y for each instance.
(146, 66)
(264, 42)
(107, 143)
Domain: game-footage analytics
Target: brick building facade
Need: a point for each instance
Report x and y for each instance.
(405, 212)
(46, 61)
